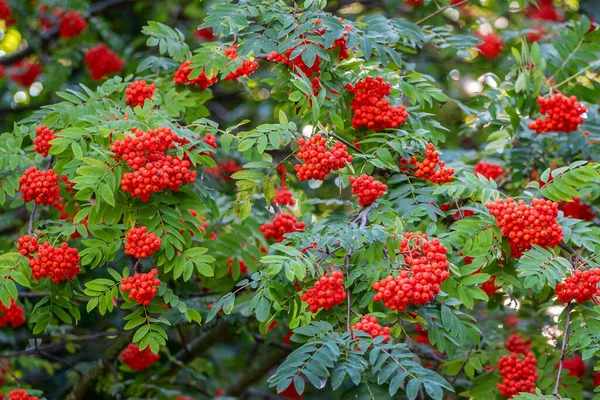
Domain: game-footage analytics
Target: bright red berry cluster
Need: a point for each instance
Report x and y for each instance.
(426, 169)
(138, 92)
(26, 245)
(575, 365)
(5, 11)
(517, 344)
(154, 170)
(580, 287)
(210, 140)
(428, 269)
(12, 315)
(576, 209)
(525, 225)
(544, 10)
(101, 61)
(223, 171)
(284, 197)
(318, 160)
(57, 263)
(40, 186)
(20, 394)
(414, 3)
(370, 325)
(247, 67)
(138, 360)
(71, 24)
(489, 286)
(141, 287)
(489, 170)
(282, 223)
(563, 114)
(327, 292)
(182, 76)
(370, 109)
(25, 72)
(140, 244)
(492, 44)
(367, 189)
(41, 143)
(518, 374)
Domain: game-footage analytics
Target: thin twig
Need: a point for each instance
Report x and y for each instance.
(183, 340)
(11, 373)
(563, 350)
(347, 268)
(347, 143)
(59, 360)
(31, 219)
(464, 364)
(439, 11)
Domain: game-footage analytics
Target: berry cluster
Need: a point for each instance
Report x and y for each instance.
(140, 244)
(101, 61)
(580, 287)
(182, 76)
(71, 24)
(243, 267)
(370, 109)
(428, 269)
(367, 189)
(489, 170)
(327, 292)
(210, 140)
(282, 223)
(25, 72)
(20, 394)
(576, 209)
(318, 160)
(138, 92)
(426, 169)
(489, 286)
(517, 344)
(41, 143)
(141, 287)
(57, 263)
(414, 3)
(492, 44)
(205, 34)
(138, 360)
(544, 10)
(247, 67)
(371, 326)
(563, 114)
(26, 245)
(525, 225)
(223, 171)
(518, 374)
(12, 315)
(40, 186)
(154, 170)
(575, 365)
(284, 197)
(5, 12)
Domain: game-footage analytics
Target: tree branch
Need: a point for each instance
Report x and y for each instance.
(563, 350)
(440, 10)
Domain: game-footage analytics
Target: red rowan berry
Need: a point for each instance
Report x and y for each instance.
(282, 223)
(574, 365)
(141, 287)
(247, 67)
(580, 287)
(367, 189)
(223, 171)
(20, 394)
(182, 76)
(40, 186)
(426, 169)
(284, 197)
(517, 344)
(138, 92)
(318, 160)
(518, 374)
(492, 44)
(576, 209)
(414, 3)
(56, 263)
(12, 315)
(544, 10)
(5, 12)
(25, 72)
(327, 292)
(71, 24)
(27, 245)
(138, 360)
(140, 244)
(41, 143)
(563, 114)
(489, 286)
(243, 267)
(489, 170)
(370, 325)
(101, 61)
(205, 34)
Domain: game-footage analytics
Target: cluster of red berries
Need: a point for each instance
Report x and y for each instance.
(544, 10)
(518, 374)
(154, 170)
(517, 344)
(525, 225)
(489, 170)
(370, 325)
(12, 315)
(489, 286)
(102, 61)
(5, 12)
(492, 44)
(141, 287)
(182, 76)
(26, 245)
(138, 360)
(576, 209)
(580, 287)
(575, 365)
(25, 72)
(210, 140)
(57, 263)
(138, 92)
(71, 24)
(327, 292)
(563, 114)
(370, 108)
(140, 244)
(428, 269)
(367, 189)
(243, 267)
(247, 67)
(205, 34)
(318, 160)
(282, 223)
(284, 197)
(41, 143)
(223, 171)
(426, 169)
(414, 3)
(40, 186)
(537, 34)
(20, 394)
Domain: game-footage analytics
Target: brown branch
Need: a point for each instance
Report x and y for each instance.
(11, 373)
(463, 365)
(347, 268)
(563, 350)
(183, 340)
(344, 141)
(440, 10)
